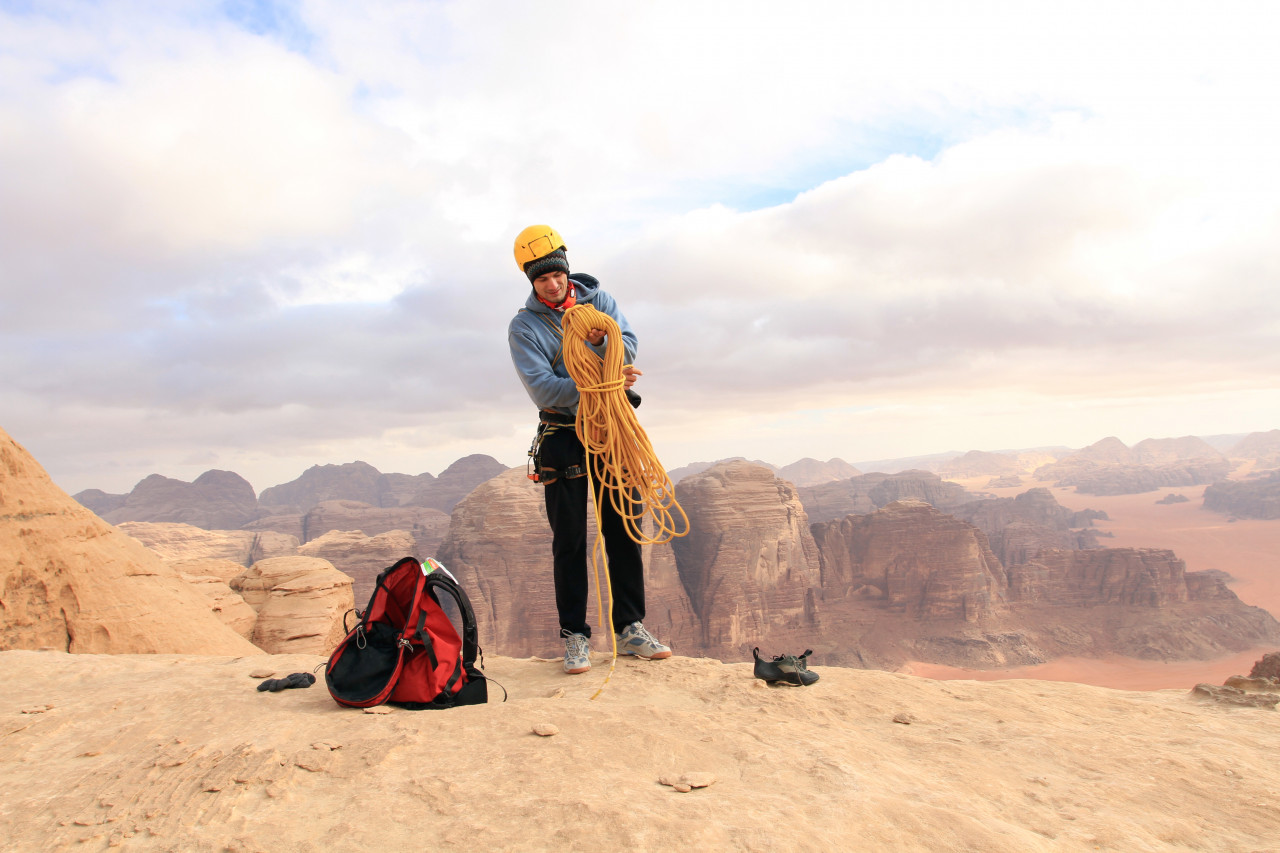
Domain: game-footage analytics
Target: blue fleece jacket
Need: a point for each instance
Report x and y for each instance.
(534, 336)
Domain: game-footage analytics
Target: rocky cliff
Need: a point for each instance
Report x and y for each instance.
(749, 562)
(1020, 527)
(70, 581)
(1256, 498)
(913, 560)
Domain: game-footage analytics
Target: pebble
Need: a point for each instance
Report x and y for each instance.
(905, 718)
(378, 709)
(262, 673)
(545, 729)
(38, 709)
(686, 782)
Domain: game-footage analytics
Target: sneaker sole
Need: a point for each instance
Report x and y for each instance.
(658, 656)
(577, 671)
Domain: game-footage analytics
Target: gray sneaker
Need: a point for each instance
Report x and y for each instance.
(635, 640)
(577, 652)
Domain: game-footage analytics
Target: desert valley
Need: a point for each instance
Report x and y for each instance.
(136, 627)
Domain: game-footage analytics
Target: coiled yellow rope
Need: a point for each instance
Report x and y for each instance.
(619, 454)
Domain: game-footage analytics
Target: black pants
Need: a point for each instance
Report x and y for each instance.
(567, 510)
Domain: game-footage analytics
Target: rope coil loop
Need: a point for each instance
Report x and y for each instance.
(620, 455)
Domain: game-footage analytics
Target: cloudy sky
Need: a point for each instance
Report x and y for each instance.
(258, 236)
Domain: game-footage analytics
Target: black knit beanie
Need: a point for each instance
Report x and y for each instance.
(554, 262)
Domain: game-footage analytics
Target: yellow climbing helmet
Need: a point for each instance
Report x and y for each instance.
(535, 242)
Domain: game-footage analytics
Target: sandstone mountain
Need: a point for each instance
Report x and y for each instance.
(221, 500)
(1261, 447)
(1109, 467)
(1254, 498)
(360, 481)
(352, 481)
(749, 563)
(70, 581)
(678, 474)
(216, 500)
(811, 472)
(978, 463)
(868, 492)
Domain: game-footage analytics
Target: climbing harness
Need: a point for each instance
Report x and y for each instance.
(619, 455)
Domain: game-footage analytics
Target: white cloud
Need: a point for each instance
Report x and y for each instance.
(294, 246)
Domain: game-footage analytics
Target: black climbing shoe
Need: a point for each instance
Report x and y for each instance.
(785, 669)
(297, 679)
(794, 669)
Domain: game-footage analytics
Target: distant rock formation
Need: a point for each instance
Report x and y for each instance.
(811, 472)
(1257, 498)
(1020, 527)
(1135, 602)
(749, 562)
(678, 474)
(351, 481)
(70, 581)
(1261, 447)
(216, 500)
(1108, 467)
(868, 492)
(456, 482)
(300, 602)
(978, 463)
(360, 481)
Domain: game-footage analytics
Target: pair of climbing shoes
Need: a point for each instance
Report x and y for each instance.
(785, 669)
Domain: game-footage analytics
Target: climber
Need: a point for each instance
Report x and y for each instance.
(535, 338)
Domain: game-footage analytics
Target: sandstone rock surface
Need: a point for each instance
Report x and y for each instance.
(300, 602)
(71, 581)
(362, 557)
(173, 541)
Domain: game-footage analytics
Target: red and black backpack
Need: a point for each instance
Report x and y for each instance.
(405, 648)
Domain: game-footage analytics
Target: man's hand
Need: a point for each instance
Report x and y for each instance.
(595, 337)
(630, 374)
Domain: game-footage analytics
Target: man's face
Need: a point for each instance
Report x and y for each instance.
(553, 287)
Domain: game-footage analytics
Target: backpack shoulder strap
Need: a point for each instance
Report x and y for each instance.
(470, 633)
